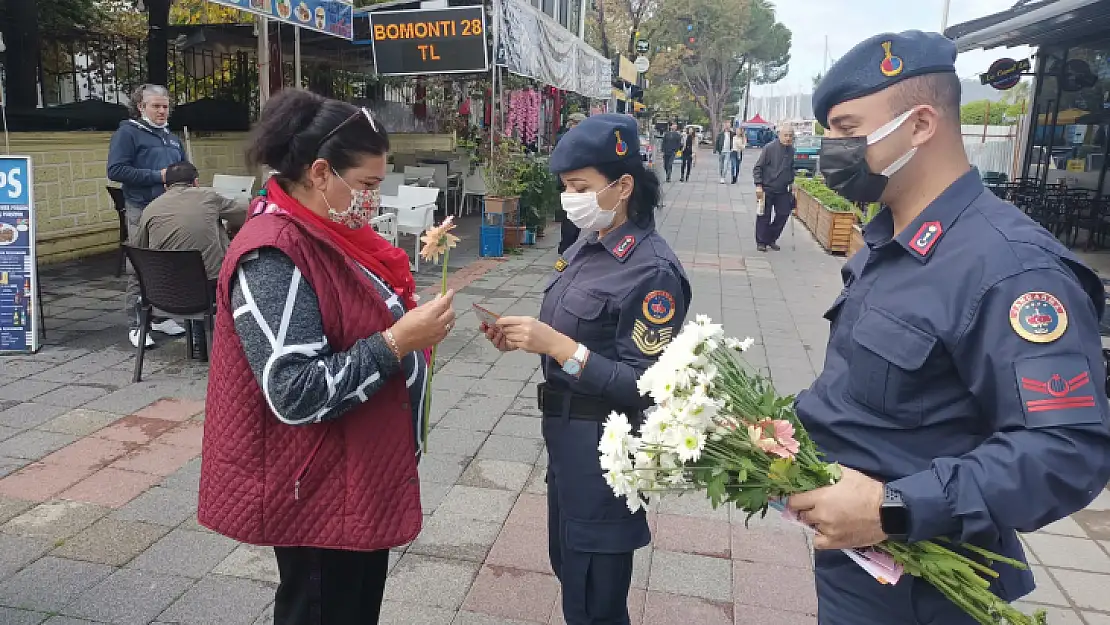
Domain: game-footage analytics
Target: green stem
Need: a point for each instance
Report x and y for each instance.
(432, 365)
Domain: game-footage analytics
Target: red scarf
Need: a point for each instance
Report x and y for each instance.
(364, 246)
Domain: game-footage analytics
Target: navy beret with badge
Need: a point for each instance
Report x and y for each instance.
(599, 139)
(880, 62)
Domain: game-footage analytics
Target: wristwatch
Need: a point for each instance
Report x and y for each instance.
(893, 515)
(573, 366)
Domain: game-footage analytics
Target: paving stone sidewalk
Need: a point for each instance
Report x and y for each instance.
(98, 476)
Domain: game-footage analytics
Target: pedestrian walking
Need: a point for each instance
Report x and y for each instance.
(961, 390)
(572, 120)
(688, 146)
(774, 185)
(616, 300)
(672, 145)
(138, 155)
(739, 144)
(316, 389)
(722, 147)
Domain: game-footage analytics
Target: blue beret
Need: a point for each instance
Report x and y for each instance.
(600, 139)
(878, 63)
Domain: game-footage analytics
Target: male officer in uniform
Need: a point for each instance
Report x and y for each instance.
(960, 391)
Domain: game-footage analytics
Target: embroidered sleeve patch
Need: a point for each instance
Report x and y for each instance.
(926, 237)
(1038, 317)
(651, 340)
(1058, 390)
(560, 265)
(659, 307)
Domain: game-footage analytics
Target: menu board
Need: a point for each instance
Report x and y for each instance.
(429, 41)
(19, 330)
(331, 17)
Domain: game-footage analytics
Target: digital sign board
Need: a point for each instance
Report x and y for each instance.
(433, 41)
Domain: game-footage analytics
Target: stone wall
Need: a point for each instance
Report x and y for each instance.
(75, 215)
(74, 212)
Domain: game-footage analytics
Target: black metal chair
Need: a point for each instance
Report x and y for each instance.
(176, 283)
(116, 194)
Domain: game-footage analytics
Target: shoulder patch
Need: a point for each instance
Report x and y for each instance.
(649, 340)
(1038, 317)
(622, 248)
(926, 237)
(560, 265)
(659, 307)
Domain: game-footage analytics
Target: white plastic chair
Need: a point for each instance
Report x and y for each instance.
(474, 185)
(386, 225)
(415, 214)
(424, 174)
(389, 168)
(234, 185)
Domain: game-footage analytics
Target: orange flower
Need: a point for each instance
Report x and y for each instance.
(438, 240)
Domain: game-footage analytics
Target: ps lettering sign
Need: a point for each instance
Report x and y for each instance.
(434, 41)
(1004, 74)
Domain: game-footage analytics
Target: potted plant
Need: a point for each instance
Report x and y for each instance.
(832, 217)
(503, 171)
(539, 198)
(865, 213)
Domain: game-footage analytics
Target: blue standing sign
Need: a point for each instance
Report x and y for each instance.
(19, 317)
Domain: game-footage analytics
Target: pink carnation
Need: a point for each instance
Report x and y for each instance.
(775, 437)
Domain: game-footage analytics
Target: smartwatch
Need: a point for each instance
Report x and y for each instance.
(573, 366)
(893, 515)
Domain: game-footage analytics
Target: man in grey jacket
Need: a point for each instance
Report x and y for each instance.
(774, 180)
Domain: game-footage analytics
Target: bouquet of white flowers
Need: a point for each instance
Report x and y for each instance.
(719, 427)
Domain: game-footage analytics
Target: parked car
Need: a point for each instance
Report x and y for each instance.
(647, 151)
(806, 150)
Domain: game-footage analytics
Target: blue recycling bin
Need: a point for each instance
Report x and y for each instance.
(491, 236)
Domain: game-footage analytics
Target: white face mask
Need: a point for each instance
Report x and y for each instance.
(151, 122)
(585, 212)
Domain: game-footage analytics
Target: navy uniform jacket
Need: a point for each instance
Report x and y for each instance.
(624, 297)
(964, 368)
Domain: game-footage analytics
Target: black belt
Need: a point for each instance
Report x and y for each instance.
(582, 407)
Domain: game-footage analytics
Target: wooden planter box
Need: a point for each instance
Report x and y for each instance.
(807, 208)
(856, 242)
(514, 237)
(834, 230)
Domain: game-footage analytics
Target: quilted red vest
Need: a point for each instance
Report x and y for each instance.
(350, 483)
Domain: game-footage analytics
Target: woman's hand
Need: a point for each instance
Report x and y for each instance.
(425, 325)
(497, 337)
(536, 337)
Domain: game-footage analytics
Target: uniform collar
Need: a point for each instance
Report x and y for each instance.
(922, 236)
(620, 242)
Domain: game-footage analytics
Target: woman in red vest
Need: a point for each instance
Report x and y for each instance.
(318, 372)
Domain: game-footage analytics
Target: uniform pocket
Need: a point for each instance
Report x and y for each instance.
(585, 310)
(887, 355)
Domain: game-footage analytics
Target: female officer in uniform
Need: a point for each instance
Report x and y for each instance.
(617, 298)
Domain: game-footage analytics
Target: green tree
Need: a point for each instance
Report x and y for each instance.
(733, 42)
(974, 113)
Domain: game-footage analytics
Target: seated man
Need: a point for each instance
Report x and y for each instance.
(187, 217)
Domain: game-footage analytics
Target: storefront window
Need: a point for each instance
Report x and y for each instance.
(549, 7)
(564, 14)
(1072, 119)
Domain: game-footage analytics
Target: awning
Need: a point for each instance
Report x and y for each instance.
(1041, 23)
(533, 45)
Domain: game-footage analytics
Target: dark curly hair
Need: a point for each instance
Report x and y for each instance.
(298, 127)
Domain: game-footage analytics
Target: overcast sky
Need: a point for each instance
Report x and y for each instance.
(847, 22)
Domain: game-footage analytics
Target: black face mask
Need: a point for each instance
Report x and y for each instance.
(843, 163)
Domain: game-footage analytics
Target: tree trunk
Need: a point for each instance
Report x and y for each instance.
(158, 44)
(22, 62)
